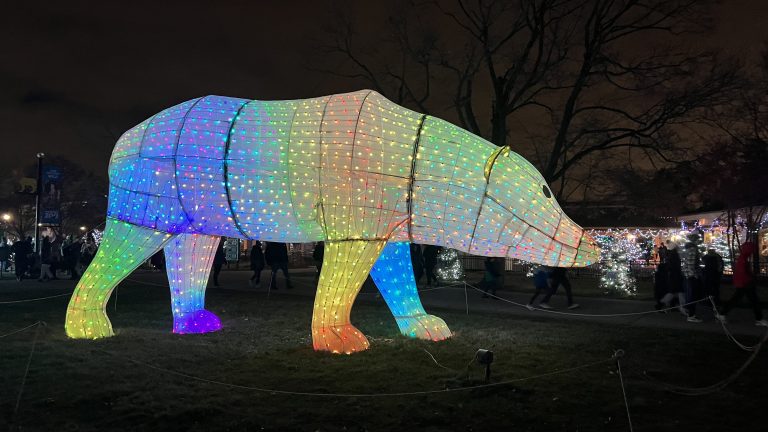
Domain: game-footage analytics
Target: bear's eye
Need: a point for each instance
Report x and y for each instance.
(547, 192)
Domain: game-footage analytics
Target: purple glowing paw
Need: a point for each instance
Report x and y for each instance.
(201, 321)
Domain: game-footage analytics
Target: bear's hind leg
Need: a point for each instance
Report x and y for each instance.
(189, 258)
(124, 247)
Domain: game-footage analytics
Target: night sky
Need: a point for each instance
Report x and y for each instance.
(75, 75)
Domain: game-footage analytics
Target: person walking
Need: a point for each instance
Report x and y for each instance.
(558, 277)
(540, 284)
(219, 258)
(71, 257)
(430, 262)
(674, 279)
(494, 276)
(745, 284)
(257, 263)
(661, 278)
(276, 256)
(713, 274)
(690, 269)
(45, 260)
(22, 253)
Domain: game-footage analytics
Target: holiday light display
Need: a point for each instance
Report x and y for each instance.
(354, 170)
(617, 255)
(448, 268)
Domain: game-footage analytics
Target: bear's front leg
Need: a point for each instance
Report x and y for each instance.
(346, 264)
(393, 275)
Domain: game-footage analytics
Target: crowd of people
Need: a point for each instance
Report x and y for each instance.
(683, 276)
(70, 255)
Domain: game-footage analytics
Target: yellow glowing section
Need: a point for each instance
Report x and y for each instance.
(123, 248)
(345, 266)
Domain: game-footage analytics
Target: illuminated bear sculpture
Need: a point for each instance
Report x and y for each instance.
(354, 170)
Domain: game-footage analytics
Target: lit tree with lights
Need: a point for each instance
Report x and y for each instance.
(449, 267)
(616, 256)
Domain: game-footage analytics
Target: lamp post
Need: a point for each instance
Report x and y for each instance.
(38, 195)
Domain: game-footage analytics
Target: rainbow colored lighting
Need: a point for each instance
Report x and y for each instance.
(354, 170)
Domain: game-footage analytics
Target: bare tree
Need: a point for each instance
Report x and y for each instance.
(595, 76)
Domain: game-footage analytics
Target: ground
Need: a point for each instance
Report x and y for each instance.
(134, 380)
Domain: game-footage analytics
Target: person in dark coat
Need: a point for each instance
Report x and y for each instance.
(417, 261)
(540, 284)
(71, 256)
(494, 276)
(674, 279)
(45, 260)
(22, 255)
(257, 263)
(276, 256)
(713, 273)
(317, 256)
(430, 262)
(558, 277)
(745, 284)
(219, 258)
(5, 255)
(661, 278)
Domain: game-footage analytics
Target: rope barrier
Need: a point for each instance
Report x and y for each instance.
(728, 332)
(36, 299)
(618, 355)
(716, 387)
(26, 369)
(355, 395)
(583, 314)
(20, 330)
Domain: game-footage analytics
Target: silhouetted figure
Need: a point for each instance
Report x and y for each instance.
(45, 260)
(71, 256)
(713, 273)
(87, 252)
(745, 284)
(540, 284)
(674, 279)
(317, 257)
(257, 263)
(690, 269)
(558, 277)
(5, 255)
(219, 258)
(276, 255)
(22, 254)
(430, 262)
(494, 276)
(417, 260)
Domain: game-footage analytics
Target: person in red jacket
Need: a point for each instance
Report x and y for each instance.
(746, 284)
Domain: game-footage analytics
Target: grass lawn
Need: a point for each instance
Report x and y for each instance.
(107, 385)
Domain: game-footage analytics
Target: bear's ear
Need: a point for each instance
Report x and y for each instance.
(492, 160)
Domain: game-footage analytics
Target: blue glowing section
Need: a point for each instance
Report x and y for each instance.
(393, 275)
(200, 165)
